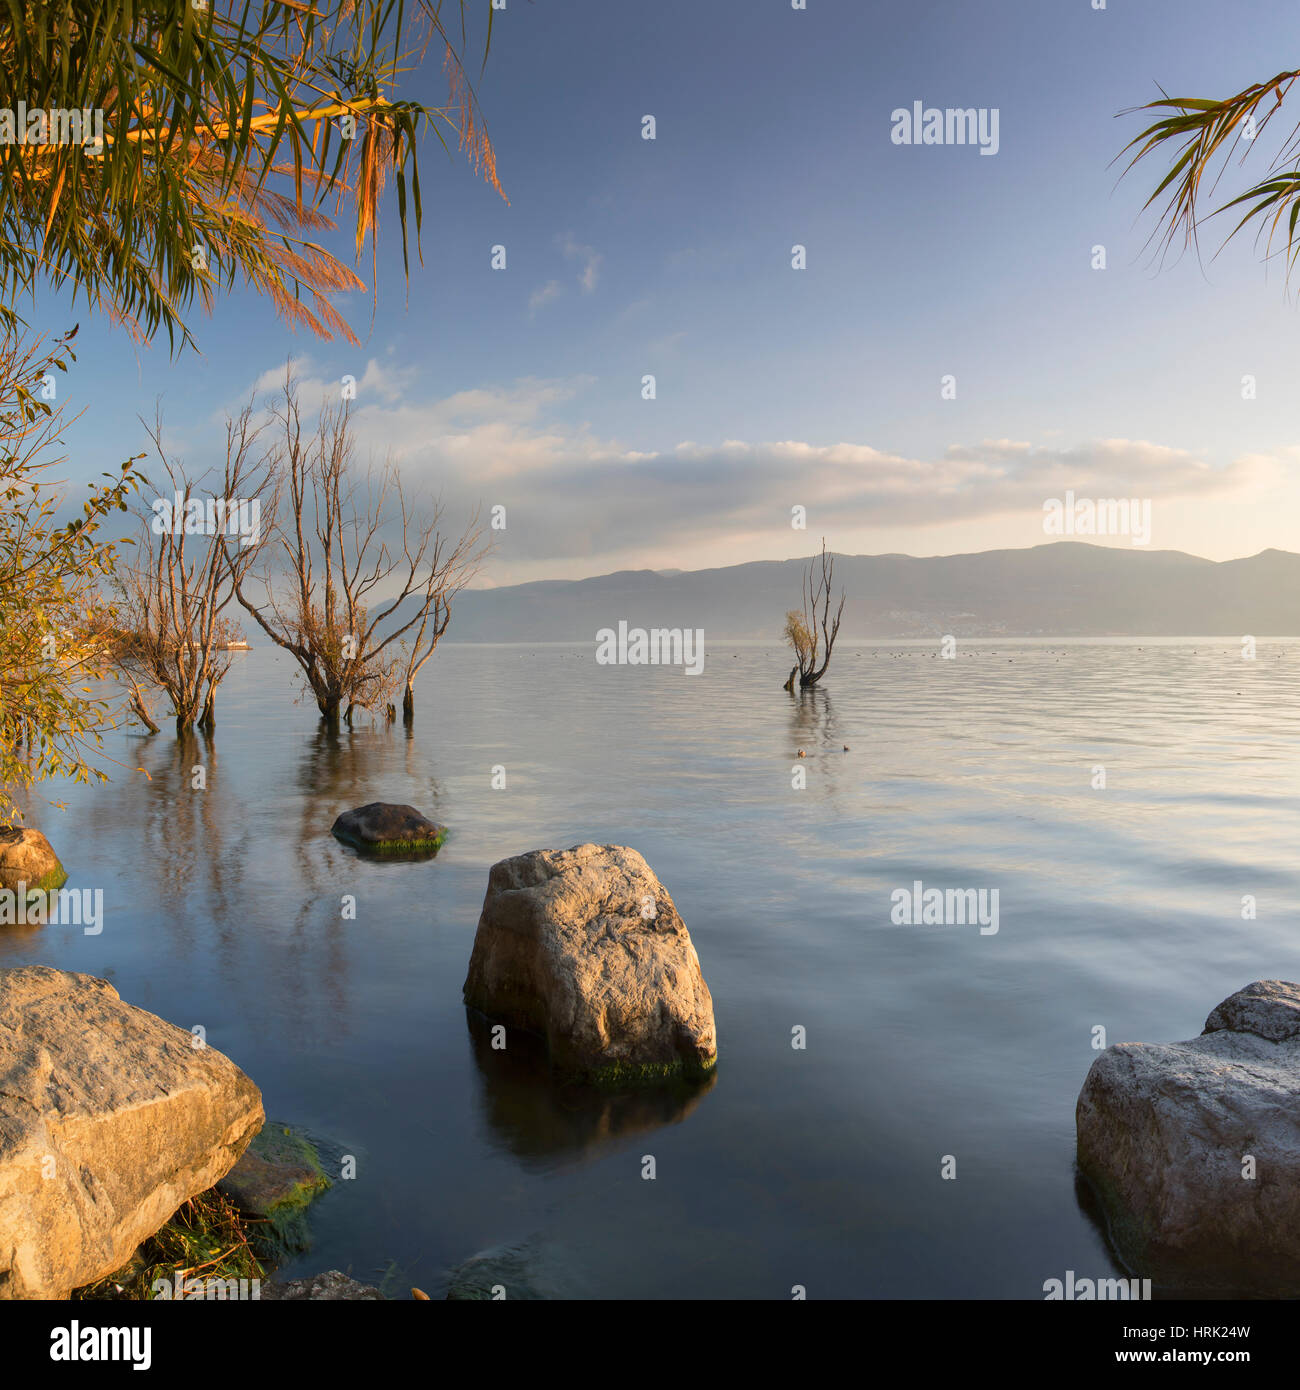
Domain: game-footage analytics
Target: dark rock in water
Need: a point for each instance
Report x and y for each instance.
(278, 1176)
(384, 828)
(531, 1271)
(1193, 1149)
(26, 857)
(333, 1284)
(585, 948)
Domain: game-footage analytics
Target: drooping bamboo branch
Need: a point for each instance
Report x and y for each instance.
(1197, 134)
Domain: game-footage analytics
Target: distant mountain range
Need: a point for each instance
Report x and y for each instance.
(1066, 589)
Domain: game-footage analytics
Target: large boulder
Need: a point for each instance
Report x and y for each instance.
(584, 947)
(384, 828)
(26, 857)
(109, 1120)
(1166, 1134)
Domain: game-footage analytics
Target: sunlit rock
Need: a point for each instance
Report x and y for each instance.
(27, 858)
(110, 1119)
(585, 948)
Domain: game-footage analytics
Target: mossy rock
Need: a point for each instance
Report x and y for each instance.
(629, 1075)
(277, 1179)
(26, 857)
(49, 882)
(389, 831)
(398, 849)
(40, 900)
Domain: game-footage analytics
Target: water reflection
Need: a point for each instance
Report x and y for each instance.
(540, 1120)
(815, 729)
(224, 907)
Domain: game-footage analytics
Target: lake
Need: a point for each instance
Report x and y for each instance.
(819, 1166)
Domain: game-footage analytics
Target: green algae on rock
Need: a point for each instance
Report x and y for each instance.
(27, 858)
(279, 1175)
(389, 830)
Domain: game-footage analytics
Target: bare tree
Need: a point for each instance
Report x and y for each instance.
(193, 551)
(451, 566)
(811, 634)
(338, 613)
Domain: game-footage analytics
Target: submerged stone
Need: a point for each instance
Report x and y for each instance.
(527, 1271)
(332, 1285)
(384, 828)
(278, 1176)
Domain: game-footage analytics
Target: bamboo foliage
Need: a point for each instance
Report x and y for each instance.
(1197, 135)
(224, 141)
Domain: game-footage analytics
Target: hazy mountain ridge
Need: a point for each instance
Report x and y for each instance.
(1065, 589)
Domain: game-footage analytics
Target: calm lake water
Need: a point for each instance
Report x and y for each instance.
(820, 1167)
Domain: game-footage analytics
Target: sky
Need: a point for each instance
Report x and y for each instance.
(779, 388)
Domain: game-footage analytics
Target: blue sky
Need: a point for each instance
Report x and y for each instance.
(777, 387)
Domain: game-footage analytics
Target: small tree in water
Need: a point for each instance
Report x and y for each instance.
(812, 633)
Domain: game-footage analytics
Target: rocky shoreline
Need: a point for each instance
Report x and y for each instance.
(129, 1149)
(131, 1153)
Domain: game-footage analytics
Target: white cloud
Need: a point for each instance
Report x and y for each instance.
(591, 261)
(386, 382)
(573, 497)
(544, 295)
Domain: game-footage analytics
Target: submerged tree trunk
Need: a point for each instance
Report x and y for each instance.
(143, 715)
(408, 704)
(812, 633)
(789, 684)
